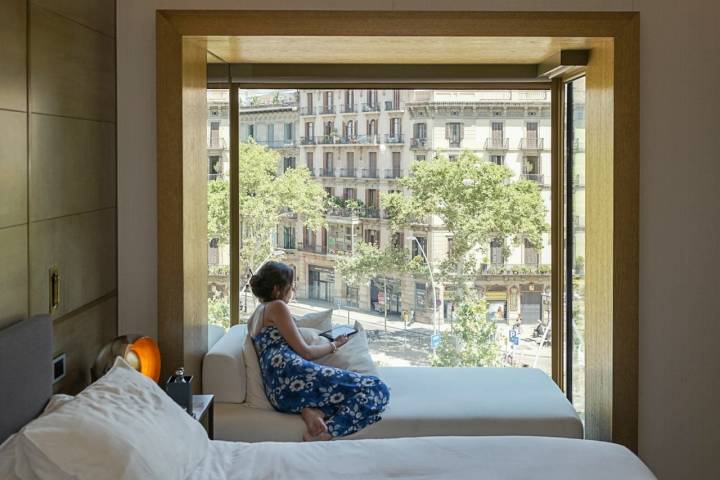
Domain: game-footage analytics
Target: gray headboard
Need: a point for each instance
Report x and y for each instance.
(25, 372)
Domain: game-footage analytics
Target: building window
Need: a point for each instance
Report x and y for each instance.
(531, 256)
(396, 165)
(415, 250)
(309, 132)
(497, 138)
(372, 237)
(352, 296)
(371, 128)
(531, 132)
(454, 134)
(289, 132)
(497, 159)
(288, 162)
(251, 131)
(321, 283)
(531, 169)
(420, 130)
(395, 128)
(496, 253)
(214, 167)
(349, 193)
(270, 134)
(420, 158)
(309, 98)
(372, 198)
(398, 240)
(309, 161)
(288, 237)
(421, 295)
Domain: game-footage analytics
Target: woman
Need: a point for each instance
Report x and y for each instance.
(331, 401)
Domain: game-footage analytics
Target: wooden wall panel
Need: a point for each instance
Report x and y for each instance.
(80, 337)
(13, 274)
(13, 84)
(13, 168)
(73, 166)
(83, 249)
(81, 84)
(96, 14)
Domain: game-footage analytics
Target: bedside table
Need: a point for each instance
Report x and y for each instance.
(203, 407)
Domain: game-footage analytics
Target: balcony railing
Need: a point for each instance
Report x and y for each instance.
(307, 141)
(370, 212)
(277, 143)
(326, 110)
(494, 143)
(313, 248)
(515, 269)
(326, 172)
(217, 144)
(391, 106)
(417, 220)
(370, 173)
(348, 172)
(394, 139)
(419, 142)
(393, 173)
(538, 178)
(342, 212)
(348, 109)
(532, 143)
(370, 107)
(287, 213)
(288, 245)
(307, 110)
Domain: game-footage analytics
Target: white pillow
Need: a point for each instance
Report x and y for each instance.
(121, 427)
(255, 394)
(353, 356)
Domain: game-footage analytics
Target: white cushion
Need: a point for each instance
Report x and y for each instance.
(426, 401)
(121, 427)
(353, 356)
(224, 367)
(255, 388)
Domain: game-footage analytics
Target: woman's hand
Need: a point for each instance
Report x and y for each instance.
(341, 340)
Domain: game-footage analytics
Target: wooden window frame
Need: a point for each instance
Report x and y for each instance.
(612, 174)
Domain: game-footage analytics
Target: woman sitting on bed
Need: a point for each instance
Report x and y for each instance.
(331, 401)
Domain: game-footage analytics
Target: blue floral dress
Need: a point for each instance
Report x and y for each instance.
(350, 401)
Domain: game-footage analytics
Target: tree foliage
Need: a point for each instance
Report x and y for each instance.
(265, 196)
(471, 342)
(476, 200)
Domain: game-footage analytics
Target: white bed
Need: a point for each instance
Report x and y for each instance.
(491, 458)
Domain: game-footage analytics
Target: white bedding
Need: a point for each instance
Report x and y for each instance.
(487, 458)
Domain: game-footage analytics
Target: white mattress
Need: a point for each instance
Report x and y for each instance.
(433, 402)
(493, 458)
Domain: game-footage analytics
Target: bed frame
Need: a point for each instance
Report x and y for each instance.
(25, 372)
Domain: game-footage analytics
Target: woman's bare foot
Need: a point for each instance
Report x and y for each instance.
(315, 421)
(323, 437)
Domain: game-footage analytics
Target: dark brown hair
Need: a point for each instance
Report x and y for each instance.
(272, 274)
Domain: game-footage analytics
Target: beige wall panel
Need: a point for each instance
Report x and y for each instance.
(13, 274)
(80, 337)
(96, 14)
(72, 69)
(83, 249)
(73, 166)
(13, 168)
(13, 84)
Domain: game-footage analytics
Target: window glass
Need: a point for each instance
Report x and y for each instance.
(417, 238)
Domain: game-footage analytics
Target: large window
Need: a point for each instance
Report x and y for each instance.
(368, 230)
(575, 241)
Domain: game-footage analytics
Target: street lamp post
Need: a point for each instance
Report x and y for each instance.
(432, 281)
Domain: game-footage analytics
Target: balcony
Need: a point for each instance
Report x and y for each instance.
(277, 143)
(217, 144)
(394, 139)
(507, 269)
(532, 144)
(370, 212)
(348, 172)
(391, 106)
(538, 178)
(313, 248)
(326, 172)
(326, 110)
(498, 144)
(342, 212)
(348, 109)
(287, 213)
(307, 141)
(393, 173)
(419, 143)
(371, 107)
(370, 173)
(307, 110)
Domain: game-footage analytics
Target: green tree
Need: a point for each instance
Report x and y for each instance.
(219, 311)
(471, 343)
(368, 261)
(265, 197)
(477, 202)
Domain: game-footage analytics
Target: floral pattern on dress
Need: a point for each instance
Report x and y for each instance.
(350, 401)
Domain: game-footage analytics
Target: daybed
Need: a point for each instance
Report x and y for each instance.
(424, 402)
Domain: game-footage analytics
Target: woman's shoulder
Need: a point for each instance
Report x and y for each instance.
(277, 306)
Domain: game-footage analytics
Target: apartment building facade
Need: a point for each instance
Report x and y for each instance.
(358, 143)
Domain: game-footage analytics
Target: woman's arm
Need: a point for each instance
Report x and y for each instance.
(279, 315)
